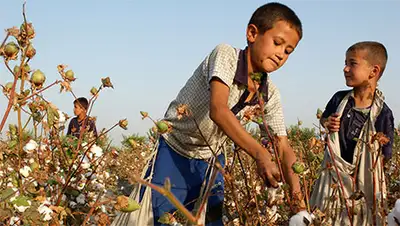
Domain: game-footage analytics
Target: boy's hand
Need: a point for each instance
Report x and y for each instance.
(268, 169)
(333, 123)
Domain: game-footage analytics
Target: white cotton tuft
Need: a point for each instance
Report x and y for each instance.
(298, 219)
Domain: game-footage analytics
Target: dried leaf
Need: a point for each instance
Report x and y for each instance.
(107, 82)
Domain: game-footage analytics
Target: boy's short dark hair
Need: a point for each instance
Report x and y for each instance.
(82, 101)
(376, 52)
(268, 14)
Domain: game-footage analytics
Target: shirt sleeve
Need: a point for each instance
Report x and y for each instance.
(388, 130)
(70, 127)
(333, 103)
(273, 112)
(331, 107)
(221, 64)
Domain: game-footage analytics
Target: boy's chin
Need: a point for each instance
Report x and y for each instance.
(270, 69)
(350, 84)
(267, 67)
(354, 86)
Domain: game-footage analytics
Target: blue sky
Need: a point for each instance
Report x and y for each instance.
(150, 48)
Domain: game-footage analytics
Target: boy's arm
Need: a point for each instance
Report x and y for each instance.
(288, 158)
(221, 114)
(275, 120)
(330, 109)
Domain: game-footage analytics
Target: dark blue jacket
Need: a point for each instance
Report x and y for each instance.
(351, 124)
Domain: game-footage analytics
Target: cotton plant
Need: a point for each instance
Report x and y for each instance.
(45, 174)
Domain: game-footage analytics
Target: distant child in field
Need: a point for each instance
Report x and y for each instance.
(80, 110)
(220, 90)
(356, 119)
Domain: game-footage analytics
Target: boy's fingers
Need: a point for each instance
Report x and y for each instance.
(333, 125)
(272, 181)
(277, 175)
(334, 119)
(334, 128)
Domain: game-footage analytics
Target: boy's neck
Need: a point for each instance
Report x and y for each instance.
(250, 68)
(251, 86)
(364, 95)
(81, 117)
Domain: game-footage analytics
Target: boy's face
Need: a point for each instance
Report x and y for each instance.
(357, 71)
(78, 109)
(270, 50)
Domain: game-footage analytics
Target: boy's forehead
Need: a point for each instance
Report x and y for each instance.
(285, 31)
(357, 54)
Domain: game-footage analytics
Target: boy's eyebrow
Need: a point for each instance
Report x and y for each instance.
(279, 37)
(350, 59)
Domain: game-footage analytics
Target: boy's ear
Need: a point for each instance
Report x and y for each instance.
(251, 33)
(375, 72)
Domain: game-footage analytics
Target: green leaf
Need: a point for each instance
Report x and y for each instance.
(72, 191)
(52, 115)
(21, 201)
(68, 152)
(166, 218)
(52, 182)
(6, 193)
(132, 206)
(256, 76)
(12, 144)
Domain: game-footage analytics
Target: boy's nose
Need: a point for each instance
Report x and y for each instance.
(346, 69)
(279, 56)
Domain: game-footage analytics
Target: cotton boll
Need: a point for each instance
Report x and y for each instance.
(25, 171)
(97, 151)
(31, 145)
(298, 219)
(61, 118)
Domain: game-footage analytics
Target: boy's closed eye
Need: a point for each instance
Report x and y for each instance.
(280, 41)
(289, 50)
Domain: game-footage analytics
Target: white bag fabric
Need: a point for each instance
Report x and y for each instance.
(322, 189)
(144, 215)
